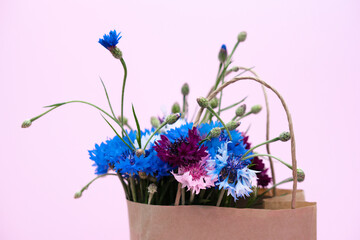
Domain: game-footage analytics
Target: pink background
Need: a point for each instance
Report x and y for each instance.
(308, 50)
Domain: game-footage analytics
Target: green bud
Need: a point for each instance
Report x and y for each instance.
(256, 109)
(285, 136)
(240, 110)
(300, 175)
(115, 51)
(125, 120)
(78, 195)
(155, 122)
(214, 102)
(222, 54)
(185, 89)
(215, 132)
(241, 36)
(139, 152)
(175, 108)
(26, 123)
(235, 69)
(203, 102)
(232, 125)
(171, 119)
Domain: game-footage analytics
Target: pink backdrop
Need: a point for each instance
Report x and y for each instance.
(308, 50)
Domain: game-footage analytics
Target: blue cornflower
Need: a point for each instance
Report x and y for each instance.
(111, 40)
(178, 130)
(114, 154)
(215, 143)
(232, 172)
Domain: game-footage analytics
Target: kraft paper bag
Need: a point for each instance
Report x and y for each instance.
(276, 221)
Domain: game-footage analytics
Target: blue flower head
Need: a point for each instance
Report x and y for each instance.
(110, 40)
(114, 154)
(232, 172)
(223, 47)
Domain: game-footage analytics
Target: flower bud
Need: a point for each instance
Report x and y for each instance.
(78, 195)
(232, 125)
(203, 102)
(124, 119)
(139, 152)
(185, 89)
(171, 119)
(222, 54)
(115, 51)
(235, 69)
(300, 175)
(242, 36)
(152, 188)
(155, 122)
(215, 132)
(26, 123)
(240, 110)
(256, 109)
(285, 136)
(175, 108)
(142, 175)
(214, 102)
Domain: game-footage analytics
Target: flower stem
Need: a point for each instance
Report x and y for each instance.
(183, 196)
(268, 155)
(132, 186)
(152, 135)
(126, 187)
(178, 194)
(78, 194)
(244, 156)
(150, 197)
(123, 90)
(233, 105)
(78, 101)
(220, 197)
(192, 196)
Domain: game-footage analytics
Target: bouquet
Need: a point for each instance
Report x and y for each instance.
(205, 161)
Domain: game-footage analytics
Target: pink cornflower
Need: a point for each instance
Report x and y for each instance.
(195, 177)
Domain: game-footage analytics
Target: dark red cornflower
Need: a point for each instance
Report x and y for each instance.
(183, 151)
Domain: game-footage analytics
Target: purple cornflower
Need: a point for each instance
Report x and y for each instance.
(183, 151)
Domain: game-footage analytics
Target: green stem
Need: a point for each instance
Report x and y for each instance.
(152, 135)
(183, 196)
(126, 188)
(252, 203)
(78, 101)
(192, 196)
(132, 186)
(222, 122)
(268, 155)
(87, 185)
(220, 197)
(184, 106)
(116, 132)
(259, 145)
(164, 190)
(123, 90)
(233, 105)
(39, 116)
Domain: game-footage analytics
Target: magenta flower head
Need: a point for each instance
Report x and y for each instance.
(181, 152)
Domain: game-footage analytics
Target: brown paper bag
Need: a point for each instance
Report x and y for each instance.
(275, 221)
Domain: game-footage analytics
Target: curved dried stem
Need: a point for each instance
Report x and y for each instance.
(291, 128)
(267, 128)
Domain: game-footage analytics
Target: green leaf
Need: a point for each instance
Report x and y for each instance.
(107, 97)
(233, 105)
(138, 135)
(116, 132)
(55, 105)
